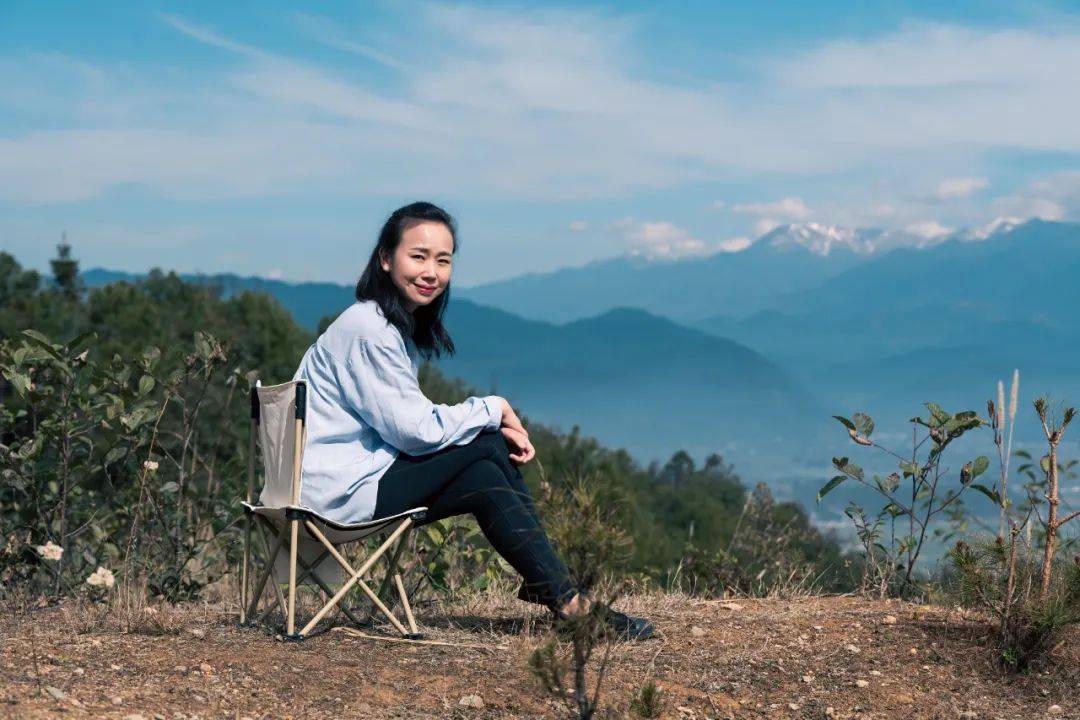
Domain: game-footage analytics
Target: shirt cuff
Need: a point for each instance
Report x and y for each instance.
(494, 407)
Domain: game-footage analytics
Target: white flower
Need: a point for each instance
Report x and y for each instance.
(150, 465)
(101, 578)
(50, 551)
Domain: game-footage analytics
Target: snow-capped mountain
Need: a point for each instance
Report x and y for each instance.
(997, 226)
(823, 239)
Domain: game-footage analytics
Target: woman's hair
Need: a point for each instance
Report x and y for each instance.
(425, 325)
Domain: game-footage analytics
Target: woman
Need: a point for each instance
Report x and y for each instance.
(377, 447)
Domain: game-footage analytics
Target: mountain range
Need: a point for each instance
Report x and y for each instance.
(750, 353)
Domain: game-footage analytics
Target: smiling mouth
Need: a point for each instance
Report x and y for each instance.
(423, 290)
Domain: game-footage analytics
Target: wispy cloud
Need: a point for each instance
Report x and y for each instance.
(659, 240)
(954, 188)
(550, 105)
(333, 35)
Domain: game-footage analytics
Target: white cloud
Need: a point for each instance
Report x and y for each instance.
(765, 225)
(274, 274)
(955, 188)
(660, 240)
(578, 226)
(1053, 197)
(332, 35)
(790, 207)
(532, 104)
(735, 244)
(929, 229)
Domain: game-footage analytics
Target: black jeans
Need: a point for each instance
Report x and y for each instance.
(479, 478)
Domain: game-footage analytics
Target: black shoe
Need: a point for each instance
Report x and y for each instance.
(625, 627)
(612, 622)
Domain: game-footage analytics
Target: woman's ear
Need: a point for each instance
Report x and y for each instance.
(384, 260)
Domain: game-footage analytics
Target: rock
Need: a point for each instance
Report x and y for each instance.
(808, 679)
(80, 671)
(905, 699)
(819, 628)
(969, 715)
(888, 620)
(1055, 710)
(685, 712)
(471, 701)
(198, 698)
(206, 669)
(115, 667)
(875, 673)
(697, 632)
(134, 716)
(793, 706)
(862, 683)
(913, 651)
(198, 632)
(829, 712)
(55, 692)
(852, 649)
(116, 700)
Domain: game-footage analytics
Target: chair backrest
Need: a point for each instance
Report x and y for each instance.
(278, 409)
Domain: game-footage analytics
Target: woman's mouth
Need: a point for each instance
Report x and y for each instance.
(426, 290)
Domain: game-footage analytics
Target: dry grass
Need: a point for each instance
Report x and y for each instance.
(765, 658)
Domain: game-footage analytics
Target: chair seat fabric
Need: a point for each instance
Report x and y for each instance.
(334, 531)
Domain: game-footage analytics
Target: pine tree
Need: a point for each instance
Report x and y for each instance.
(65, 271)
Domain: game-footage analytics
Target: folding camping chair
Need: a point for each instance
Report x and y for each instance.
(278, 414)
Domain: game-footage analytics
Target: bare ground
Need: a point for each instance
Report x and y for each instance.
(815, 657)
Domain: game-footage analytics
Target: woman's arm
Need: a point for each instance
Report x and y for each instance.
(379, 384)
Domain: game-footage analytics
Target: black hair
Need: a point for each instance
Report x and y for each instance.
(424, 325)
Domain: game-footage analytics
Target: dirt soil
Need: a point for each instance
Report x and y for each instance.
(819, 657)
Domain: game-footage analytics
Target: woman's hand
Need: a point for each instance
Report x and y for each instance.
(521, 449)
(510, 418)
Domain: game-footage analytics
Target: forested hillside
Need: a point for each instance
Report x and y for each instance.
(125, 427)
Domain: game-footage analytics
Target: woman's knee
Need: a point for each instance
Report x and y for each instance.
(494, 441)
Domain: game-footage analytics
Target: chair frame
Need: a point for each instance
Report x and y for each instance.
(287, 536)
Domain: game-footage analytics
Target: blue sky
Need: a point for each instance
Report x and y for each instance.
(272, 139)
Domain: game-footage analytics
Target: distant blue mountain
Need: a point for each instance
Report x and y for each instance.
(308, 302)
(628, 377)
(787, 259)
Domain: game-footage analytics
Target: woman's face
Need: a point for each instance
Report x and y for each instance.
(420, 267)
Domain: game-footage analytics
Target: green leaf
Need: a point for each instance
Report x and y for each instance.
(992, 494)
(76, 341)
(937, 415)
(981, 463)
(830, 486)
(864, 424)
(170, 487)
(146, 384)
(42, 342)
(846, 423)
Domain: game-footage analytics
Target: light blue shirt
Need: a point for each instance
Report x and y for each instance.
(364, 406)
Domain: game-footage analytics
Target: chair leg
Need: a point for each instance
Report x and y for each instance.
(277, 595)
(261, 583)
(244, 569)
(391, 567)
(405, 604)
(356, 575)
(294, 529)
